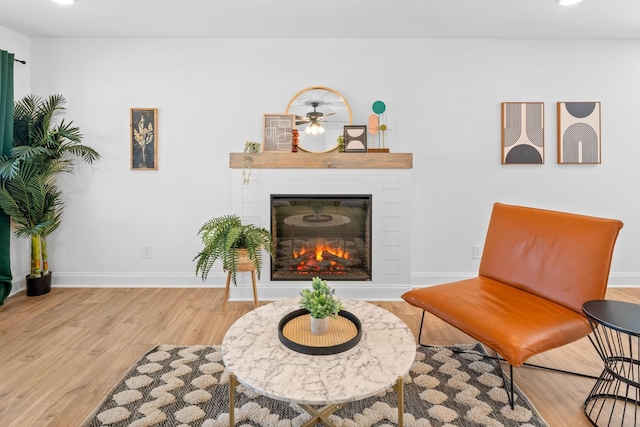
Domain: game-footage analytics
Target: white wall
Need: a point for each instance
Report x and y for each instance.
(443, 100)
(20, 46)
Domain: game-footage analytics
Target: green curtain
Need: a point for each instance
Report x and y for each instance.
(6, 142)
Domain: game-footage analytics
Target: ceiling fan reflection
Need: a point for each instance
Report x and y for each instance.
(314, 118)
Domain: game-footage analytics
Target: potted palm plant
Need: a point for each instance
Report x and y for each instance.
(238, 246)
(42, 148)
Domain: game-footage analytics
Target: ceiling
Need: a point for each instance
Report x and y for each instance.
(592, 19)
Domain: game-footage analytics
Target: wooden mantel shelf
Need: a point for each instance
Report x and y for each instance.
(332, 160)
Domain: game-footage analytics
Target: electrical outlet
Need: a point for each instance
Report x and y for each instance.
(477, 251)
(146, 251)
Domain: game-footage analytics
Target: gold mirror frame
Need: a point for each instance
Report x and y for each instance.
(332, 105)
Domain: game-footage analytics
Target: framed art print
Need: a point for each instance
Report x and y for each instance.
(522, 133)
(579, 133)
(355, 139)
(277, 132)
(144, 138)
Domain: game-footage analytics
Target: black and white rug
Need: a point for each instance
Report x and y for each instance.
(189, 386)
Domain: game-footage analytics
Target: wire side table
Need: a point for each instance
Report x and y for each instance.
(615, 397)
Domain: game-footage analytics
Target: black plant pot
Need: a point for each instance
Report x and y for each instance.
(39, 285)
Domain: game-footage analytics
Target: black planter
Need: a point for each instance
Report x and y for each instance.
(39, 285)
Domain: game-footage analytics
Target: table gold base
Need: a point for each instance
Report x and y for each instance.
(317, 415)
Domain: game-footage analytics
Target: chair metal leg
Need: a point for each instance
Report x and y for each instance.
(508, 388)
(420, 332)
(498, 358)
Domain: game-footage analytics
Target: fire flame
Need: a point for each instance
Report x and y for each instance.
(324, 247)
(311, 263)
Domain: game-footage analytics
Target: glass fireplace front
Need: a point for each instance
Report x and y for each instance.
(321, 235)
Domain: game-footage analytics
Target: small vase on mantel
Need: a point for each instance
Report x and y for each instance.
(321, 303)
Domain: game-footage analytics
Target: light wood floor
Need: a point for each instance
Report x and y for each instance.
(61, 353)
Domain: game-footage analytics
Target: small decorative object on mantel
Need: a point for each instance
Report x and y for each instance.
(321, 304)
(355, 139)
(277, 131)
(376, 128)
(340, 140)
(250, 148)
(294, 140)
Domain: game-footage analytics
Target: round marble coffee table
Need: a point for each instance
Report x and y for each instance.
(256, 358)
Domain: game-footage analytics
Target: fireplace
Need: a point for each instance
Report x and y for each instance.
(321, 235)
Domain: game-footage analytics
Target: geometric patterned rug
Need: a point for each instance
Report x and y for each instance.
(189, 386)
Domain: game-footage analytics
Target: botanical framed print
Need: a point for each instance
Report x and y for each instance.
(144, 138)
(579, 133)
(277, 132)
(355, 139)
(522, 133)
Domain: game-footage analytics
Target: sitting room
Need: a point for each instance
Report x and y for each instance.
(373, 147)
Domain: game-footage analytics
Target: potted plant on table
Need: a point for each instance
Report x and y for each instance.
(321, 303)
(238, 246)
(41, 149)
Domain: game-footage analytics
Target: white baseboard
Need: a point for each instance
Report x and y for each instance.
(18, 285)
(267, 290)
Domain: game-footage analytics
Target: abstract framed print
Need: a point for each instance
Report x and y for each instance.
(579, 133)
(144, 138)
(522, 133)
(355, 139)
(277, 132)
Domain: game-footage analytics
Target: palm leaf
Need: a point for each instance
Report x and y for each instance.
(41, 150)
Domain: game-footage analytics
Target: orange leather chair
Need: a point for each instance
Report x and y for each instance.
(537, 269)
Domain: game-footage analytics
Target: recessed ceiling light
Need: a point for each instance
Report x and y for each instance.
(567, 2)
(65, 2)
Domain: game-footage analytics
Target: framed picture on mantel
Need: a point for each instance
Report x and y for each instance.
(355, 139)
(277, 132)
(144, 138)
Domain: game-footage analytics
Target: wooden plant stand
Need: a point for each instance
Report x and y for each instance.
(253, 282)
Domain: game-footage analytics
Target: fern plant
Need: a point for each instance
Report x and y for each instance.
(223, 236)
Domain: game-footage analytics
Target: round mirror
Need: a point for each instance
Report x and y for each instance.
(320, 114)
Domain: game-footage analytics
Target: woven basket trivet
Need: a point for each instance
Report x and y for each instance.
(298, 330)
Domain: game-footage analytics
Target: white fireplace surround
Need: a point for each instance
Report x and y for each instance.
(390, 225)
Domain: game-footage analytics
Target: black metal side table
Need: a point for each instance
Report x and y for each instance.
(615, 397)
